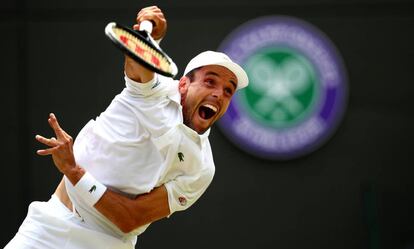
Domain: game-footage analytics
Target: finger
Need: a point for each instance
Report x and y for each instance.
(46, 152)
(53, 122)
(152, 13)
(62, 136)
(149, 9)
(49, 142)
(159, 25)
(154, 17)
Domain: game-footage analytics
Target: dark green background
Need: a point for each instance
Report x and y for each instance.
(355, 192)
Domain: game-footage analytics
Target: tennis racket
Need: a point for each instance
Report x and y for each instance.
(141, 47)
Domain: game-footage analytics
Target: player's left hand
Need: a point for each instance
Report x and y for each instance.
(61, 147)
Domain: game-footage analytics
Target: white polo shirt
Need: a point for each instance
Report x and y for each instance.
(140, 142)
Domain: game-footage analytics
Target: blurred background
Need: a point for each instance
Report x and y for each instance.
(356, 191)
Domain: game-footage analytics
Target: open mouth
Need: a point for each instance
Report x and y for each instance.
(207, 111)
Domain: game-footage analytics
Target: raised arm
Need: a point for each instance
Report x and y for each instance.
(127, 214)
(134, 70)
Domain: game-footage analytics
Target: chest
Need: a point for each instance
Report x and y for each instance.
(184, 153)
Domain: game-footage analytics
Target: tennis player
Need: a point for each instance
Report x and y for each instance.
(144, 158)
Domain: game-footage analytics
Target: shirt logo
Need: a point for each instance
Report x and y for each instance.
(182, 200)
(157, 82)
(181, 156)
(297, 91)
(93, 188)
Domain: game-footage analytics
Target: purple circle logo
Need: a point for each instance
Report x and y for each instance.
(297, 92)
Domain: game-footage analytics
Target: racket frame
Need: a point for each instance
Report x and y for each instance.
(146, 38)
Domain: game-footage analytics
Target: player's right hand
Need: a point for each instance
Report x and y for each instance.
(154, 14)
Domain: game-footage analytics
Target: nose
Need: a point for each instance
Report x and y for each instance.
(217, 93)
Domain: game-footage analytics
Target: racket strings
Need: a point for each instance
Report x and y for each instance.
(142, 50)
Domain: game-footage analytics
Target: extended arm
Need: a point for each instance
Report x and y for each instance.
(127, 214)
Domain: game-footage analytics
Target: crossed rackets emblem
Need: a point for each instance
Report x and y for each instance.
(278, 85)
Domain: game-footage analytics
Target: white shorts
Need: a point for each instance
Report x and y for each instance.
(51, 225)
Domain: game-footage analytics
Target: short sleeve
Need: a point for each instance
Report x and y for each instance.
(185, 190)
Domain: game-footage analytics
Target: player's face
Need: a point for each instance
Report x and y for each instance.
(207, 97)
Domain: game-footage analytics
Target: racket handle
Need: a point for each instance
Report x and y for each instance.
(146, 25)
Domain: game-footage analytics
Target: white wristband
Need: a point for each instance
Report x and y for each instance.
(89, 189)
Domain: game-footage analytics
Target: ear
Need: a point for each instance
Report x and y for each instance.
(183, 85)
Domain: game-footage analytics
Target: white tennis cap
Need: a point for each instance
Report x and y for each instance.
(217, 58)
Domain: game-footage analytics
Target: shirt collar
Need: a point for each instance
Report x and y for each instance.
(174, 94)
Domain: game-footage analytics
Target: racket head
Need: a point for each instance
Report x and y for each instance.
(142, 48)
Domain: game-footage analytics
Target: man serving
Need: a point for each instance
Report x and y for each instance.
(144, 158)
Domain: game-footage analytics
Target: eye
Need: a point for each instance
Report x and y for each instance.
(209, 82)
(228, 91)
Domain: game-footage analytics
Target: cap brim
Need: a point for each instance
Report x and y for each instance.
(242, 79)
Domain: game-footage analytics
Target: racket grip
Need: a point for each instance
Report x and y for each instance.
(146, 25)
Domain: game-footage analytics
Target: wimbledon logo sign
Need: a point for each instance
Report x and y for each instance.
(297, 91)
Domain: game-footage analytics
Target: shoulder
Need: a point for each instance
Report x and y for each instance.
(158, 86)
